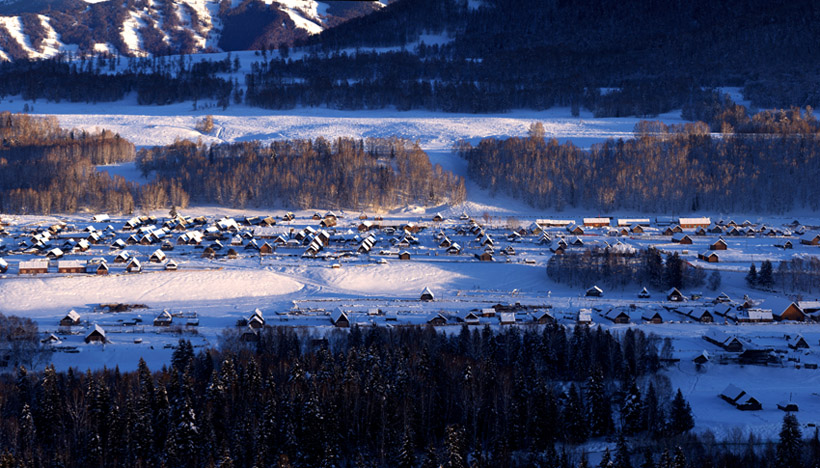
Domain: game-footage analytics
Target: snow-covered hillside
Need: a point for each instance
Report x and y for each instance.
(149, 26)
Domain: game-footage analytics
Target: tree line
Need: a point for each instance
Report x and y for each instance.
(664, 169)
(602, 266)
(344, 173)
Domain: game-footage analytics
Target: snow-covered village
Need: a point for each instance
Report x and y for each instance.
(409, 233)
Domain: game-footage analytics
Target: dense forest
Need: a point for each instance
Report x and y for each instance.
(612, 269)
(346, 173)
(377, 397)
(664, 169)
(44, 168)
(154, 80)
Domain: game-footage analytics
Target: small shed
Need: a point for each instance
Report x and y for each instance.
(709, 256)
(594, 291)
(100, 268)
(644, 294)
(427, 295)
(674, 295)
(404, 255)
(164, 319)
(788, 406)
(172, 265)
(71, 319)
(702, 358)
(157, 257)
(96, 335)
(719, 244)
(798, 342)
(256, 321)
(437, 320)
(651, 316)
(133, 266)
(339, 318)
(681, 238)
(506, 318)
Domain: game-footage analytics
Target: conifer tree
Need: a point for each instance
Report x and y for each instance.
(606, 460)
(454, 445)
(790, 446)
(680, 415)
(765, 277)
(600, 410)
(622, 455)
(574, 417)
(631, 411)
(751, 276)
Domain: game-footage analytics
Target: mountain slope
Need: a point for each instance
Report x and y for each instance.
(33, 29)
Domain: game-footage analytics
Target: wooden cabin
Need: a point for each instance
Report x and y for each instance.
(426, 295)
(680, 238)
(71, 319)
(719, 244)
(96, 335)
(594, 291)
(100, 269)
(339, 318)
(709, 256)
(404, 255)
(437, 320)
(164, 319)
(674, 295)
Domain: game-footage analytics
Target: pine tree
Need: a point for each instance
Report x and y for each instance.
(654, 419)
(407, 455)
(454, 444)
(622, 455)
(631, 411)
(430, 457)
(790, 446)
(606, 460)
(751, 276)
(765, 278)
(27, 436)
(680, 459)
(574, 420)
(680, 415)
(714, 280)
(600, 410)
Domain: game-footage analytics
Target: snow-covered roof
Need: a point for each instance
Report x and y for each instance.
(631, 221)
(732, 392)
(426, 292)
(691, 221)
(96, 328)
(73, 315)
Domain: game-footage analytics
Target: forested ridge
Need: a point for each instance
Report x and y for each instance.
(676, 169)
(376, 397)
(345, 173)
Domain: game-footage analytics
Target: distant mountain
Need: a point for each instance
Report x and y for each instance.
(43, 28)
